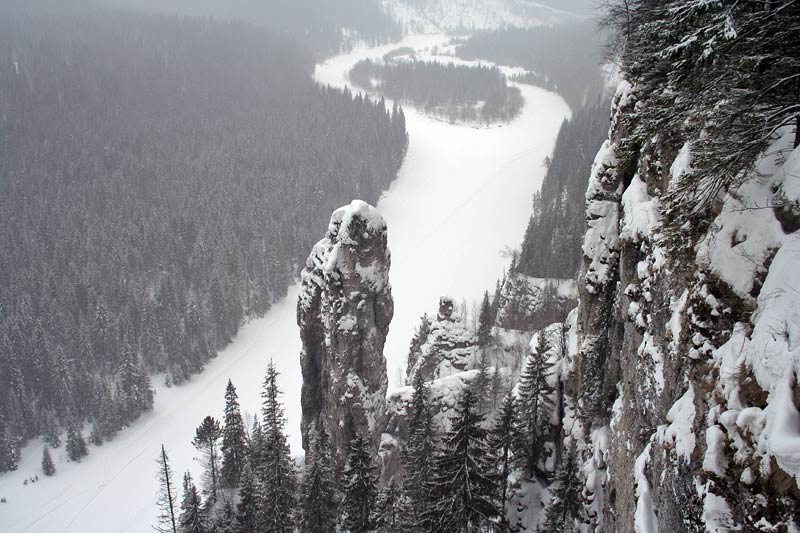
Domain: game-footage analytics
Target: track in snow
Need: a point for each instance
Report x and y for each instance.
(462, 195)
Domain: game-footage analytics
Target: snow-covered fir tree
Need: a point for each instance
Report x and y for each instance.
(504, 439)
(417, 458)
(248, 510)
(318, 499)
(386, 518)
(359, 488)
(535, 405)
(192, 519)
(275, 470)
(565, 503)
(234, 440)
(464, 489)
(485, 321)
(47, 462)
(75, 445)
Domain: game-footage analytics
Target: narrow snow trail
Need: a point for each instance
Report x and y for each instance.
(462, 195)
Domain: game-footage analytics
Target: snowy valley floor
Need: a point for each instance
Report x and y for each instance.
(461, 197)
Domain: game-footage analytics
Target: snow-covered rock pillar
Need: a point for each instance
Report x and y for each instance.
(344, 310)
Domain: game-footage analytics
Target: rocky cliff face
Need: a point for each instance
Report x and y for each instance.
(344, 310)
(684, 372)
(443, 346)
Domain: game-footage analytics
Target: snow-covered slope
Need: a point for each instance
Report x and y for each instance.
(433, 16)
(461, 196)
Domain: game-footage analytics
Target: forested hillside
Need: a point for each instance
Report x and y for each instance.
(455, 92)
(322, 26)
(159, 179)
(551, 247)
(564, 57)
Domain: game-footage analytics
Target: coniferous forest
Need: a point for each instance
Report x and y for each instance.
(551, 247)
(564, 58)
(455, 92)
(160, 181)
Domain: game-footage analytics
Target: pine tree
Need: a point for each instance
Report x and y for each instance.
(388, 509)
(166, 495)
(464, 490)
(75, 446)
(485, 321)
(565, 503)
(318, 495)
(206, 440)
(417, 458)
(360, 488)
(191, 519)
(503, 440)
(47, 463)
(234, 440)
(276, 473)
(535, 405)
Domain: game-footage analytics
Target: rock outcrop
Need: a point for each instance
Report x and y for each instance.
(344, 310)
(676, 385)
(443, 346)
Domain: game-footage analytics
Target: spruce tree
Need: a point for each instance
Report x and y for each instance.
(134, 392)
(167, 522)
(318, 494)
(248, 509)
(565, 503)
(485, 321)
(535, 405)
(481, 383)
(503, 440)
(206, 440)
(234, 440)
(191, 519)
(51, 431)
(387, 516)
(226, 521)
(359, 488)
(417, 458)
(464, 490)
(417, 341)
(75, 447)
(276, 473)
(47, 463)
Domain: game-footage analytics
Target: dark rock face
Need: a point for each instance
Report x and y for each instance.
(344, 310)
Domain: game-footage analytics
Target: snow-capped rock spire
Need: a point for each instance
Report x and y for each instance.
(344, 310)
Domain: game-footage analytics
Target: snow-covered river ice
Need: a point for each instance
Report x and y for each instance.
(462, 196)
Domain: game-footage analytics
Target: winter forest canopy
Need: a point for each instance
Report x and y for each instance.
(161, 179)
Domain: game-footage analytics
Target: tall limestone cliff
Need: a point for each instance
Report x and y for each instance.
(684, 379)
(344, 310)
